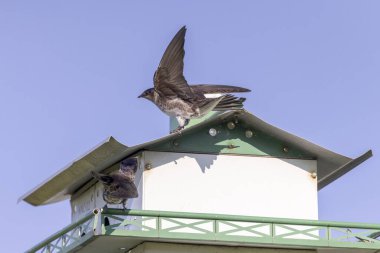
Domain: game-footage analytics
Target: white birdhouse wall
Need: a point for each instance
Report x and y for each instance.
(230, 184)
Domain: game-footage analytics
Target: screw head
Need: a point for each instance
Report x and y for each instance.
(212, 132)
(231, 146)
(248, 133)
(313, 174)
(231, 125)
(148, 166)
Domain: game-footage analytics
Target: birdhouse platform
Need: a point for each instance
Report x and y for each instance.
(228, 180)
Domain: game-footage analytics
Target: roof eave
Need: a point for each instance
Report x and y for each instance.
(59, 186)
(343, 169)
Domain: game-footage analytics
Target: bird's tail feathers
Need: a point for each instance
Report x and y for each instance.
(102, 178)
(209, 104)
(230, 102)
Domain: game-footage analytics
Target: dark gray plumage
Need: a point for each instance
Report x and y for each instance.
(119, 186)
(175, 97)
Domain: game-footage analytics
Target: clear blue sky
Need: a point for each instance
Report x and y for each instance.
(71, 71)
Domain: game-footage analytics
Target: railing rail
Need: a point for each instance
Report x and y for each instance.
(220, 228)
(61, 236)
(228, 217)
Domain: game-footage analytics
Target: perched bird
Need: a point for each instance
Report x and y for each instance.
(172, 95)
(119, 186)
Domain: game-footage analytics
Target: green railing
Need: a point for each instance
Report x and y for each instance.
(218, 229)
(69, 237)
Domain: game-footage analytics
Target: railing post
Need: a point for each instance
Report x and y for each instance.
(64, 241)
(97, 222)
(216, 226)
(272, 230)
(80, 231)
(158, 225)
(328, 234)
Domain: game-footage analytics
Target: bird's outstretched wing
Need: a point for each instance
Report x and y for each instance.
(168, 78)
(217, 88)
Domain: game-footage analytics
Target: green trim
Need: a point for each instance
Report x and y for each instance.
(216, 229)
(231, 141)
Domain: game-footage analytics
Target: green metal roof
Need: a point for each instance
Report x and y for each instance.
(110, 230)
(68, 180)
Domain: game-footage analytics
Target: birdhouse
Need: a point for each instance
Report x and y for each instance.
(229, 163)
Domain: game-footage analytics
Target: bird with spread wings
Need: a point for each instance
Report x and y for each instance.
(175, 97)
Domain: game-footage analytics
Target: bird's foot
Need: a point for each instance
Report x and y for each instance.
(177, 130)
(182, 122)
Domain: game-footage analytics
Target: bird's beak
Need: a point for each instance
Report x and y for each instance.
(139, 96)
